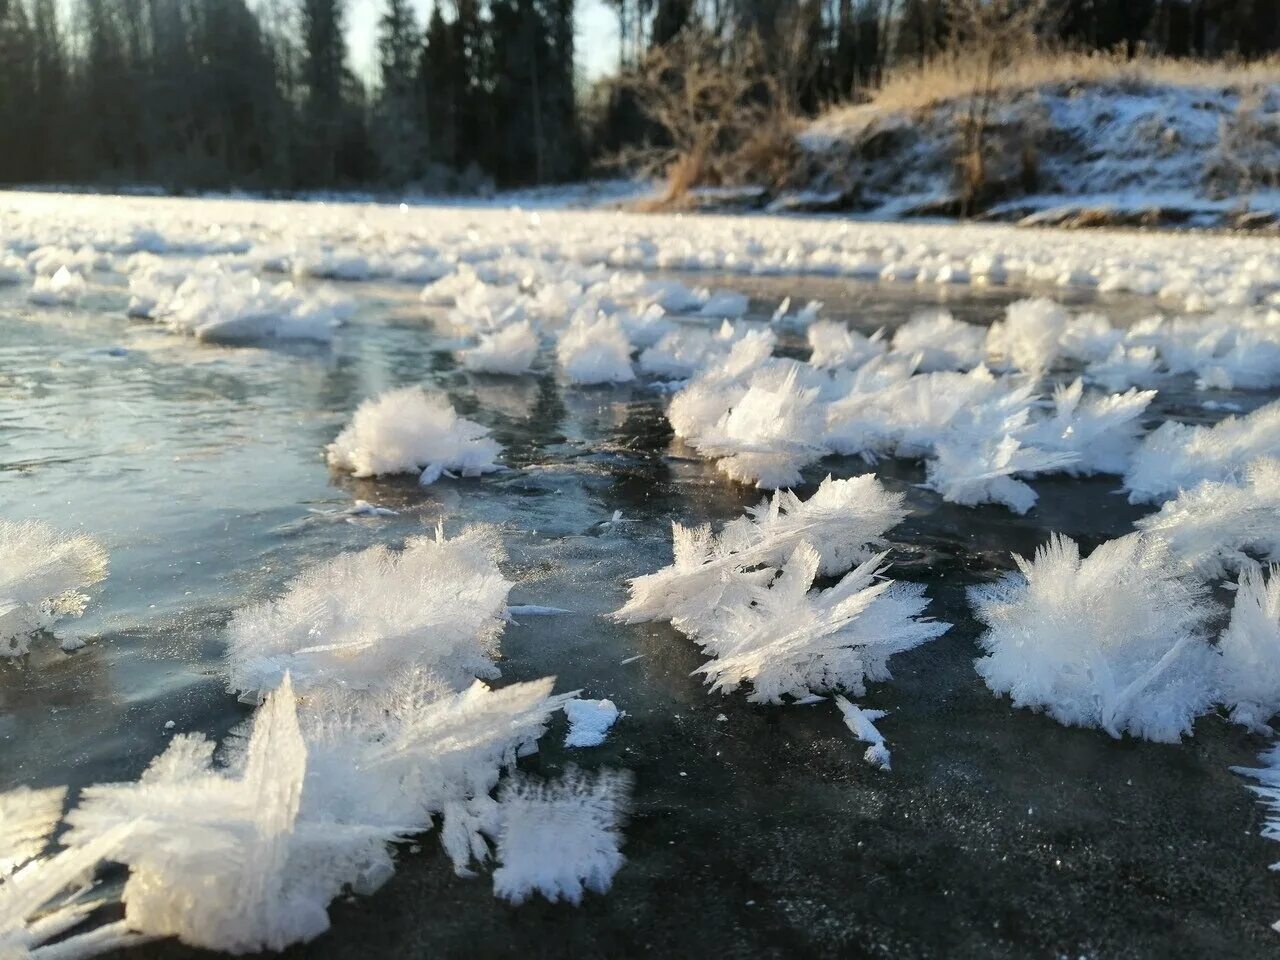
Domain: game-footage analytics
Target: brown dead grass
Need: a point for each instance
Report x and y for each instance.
(955, 76)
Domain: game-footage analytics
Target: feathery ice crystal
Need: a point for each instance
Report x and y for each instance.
(509, 350)
(770, 433)
(1177, 456)
(1216, 526)
(846, 519)
(941, 341)
(409, 430)
(43, 898)
(439, 604)
(244, 852)
(226, 858)
(235, 306)
(27, 820)
(982, 454)
(862, 724)
(836, 345)
(1114, 640)
(560, 838)
(792, 643)
(1250, 649)
(1101, 430)
(43, 575)
(595, 351)
(1029, 338)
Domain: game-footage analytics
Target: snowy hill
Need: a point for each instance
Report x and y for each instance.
(1072, 154)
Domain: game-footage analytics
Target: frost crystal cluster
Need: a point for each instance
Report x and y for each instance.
(561, 838)
(1250, 649)
(791, 641)
(1177, 456)
(745, 595)
(387, 733)
(1217, 526)
(409, 431)
(234, 306)
(438, 604)
(1115, 640)
(845, 520)
(43, 576)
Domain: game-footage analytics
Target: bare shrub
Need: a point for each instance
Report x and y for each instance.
(1247, 156)
(724, 114)
(991, 34)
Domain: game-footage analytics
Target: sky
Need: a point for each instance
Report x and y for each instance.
(597, 36)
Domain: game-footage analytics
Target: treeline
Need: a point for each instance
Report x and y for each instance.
(227, 93)
(831, 50)
(194, 94)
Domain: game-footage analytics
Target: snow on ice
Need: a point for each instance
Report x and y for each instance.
(589, 721)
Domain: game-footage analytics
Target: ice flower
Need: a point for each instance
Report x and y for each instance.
(1114, 640)
(790, 642)
(768, 435)
(1217, 526)
(1102, 430)
(43, 576)
(1250, 647)
(410, 430)
(224, 858)
(439, 604)
(941, 341)
(1029, 338)
(847, 519)
(835, 345)
(1177, 456)
(595, 351)
(64, 287)
(508, 350)
(983, 453)
(560, 838)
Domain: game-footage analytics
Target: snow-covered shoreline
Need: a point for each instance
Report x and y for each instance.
(1081, 153)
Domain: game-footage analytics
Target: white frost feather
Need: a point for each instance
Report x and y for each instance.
(1114, 640)
(43, 575)
(862, 724)
(439, 605)
(1177, 456)
(790, 642)
(1250, 649)
(560, 839)
(409, 430)
(509, 350)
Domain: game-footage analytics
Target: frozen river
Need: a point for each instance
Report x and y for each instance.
(754, 831)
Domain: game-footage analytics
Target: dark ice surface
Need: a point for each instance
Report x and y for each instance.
(756, 831)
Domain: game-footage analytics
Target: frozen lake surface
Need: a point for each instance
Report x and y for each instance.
(755, 831)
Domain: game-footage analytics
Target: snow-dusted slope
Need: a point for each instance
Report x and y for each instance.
(1171, 153)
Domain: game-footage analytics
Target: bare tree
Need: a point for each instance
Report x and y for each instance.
(722, 111)
(987, 36)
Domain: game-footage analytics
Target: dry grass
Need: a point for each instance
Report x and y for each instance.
(955, 76)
